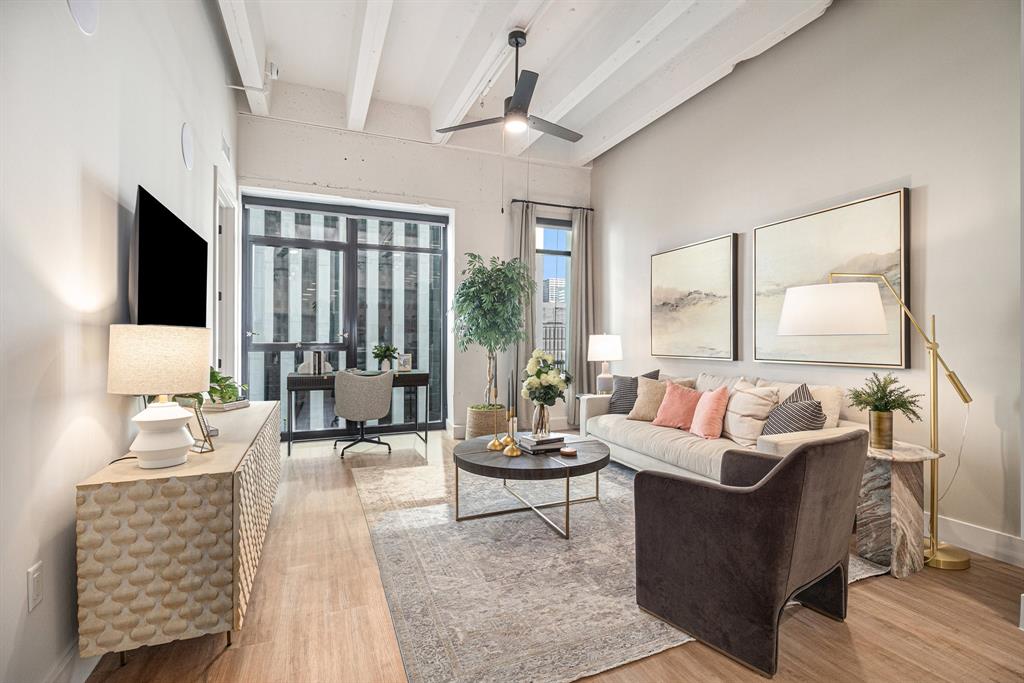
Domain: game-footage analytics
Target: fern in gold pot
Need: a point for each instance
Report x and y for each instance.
(881, 397)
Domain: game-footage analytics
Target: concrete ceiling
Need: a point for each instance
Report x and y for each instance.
(407, 67)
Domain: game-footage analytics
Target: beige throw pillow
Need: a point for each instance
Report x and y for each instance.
(649, 394)
(747, 412)
(830, 397)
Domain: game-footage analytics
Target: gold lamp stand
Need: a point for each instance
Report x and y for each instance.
(936, 554)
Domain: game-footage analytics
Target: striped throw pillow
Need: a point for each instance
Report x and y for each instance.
(801, 393)
(795, 416)
(624, 392)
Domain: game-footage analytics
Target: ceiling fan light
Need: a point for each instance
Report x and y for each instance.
(515, 122)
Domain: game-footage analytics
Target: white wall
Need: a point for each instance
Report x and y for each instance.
(85, 120)
(870, 97)
(301, 157)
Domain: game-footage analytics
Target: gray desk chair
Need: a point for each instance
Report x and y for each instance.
(358, 398)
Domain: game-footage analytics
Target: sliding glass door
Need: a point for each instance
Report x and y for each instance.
(332, 278)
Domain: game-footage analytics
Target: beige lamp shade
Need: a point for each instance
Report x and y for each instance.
(603, 347)
(838, 308)
(146, 360)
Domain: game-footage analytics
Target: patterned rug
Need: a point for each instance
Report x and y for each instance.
(505, 598)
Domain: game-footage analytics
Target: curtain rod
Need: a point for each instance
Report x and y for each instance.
(560, 206)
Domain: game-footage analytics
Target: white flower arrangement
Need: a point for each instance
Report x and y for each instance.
(543, 382)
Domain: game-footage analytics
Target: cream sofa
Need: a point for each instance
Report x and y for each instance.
(643, 446)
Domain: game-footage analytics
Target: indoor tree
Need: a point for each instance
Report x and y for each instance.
(488, 307)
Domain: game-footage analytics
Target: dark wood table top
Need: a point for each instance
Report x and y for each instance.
(304, 382)
(472, 456)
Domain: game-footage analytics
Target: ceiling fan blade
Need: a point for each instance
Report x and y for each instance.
(554, 129)
(471, 124)
(524, 91)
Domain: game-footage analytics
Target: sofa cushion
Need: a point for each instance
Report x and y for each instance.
(649, 395)
(708, 382)
(624, 392)
(688, 382)
(677, 407)
(831, 397)
(710, 413)
(748, 409)
(672, 446)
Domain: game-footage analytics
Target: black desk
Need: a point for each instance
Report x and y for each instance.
(325, 382)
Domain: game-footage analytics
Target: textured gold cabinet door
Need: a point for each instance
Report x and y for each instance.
(256, 483)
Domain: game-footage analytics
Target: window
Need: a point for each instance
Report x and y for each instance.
(554, 259)
(341, 279)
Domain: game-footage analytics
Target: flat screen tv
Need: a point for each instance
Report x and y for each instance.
(167, 270)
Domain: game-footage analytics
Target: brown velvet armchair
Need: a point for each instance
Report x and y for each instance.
(720, 561)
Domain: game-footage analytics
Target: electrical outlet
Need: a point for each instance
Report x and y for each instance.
(35, 585)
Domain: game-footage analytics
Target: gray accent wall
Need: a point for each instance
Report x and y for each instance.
(871, 97)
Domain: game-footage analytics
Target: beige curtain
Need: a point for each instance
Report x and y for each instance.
(525, 245)
(581, 311)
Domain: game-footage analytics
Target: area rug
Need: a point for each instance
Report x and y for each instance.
(505, 598)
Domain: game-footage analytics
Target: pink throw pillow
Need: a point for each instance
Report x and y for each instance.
(710, 413)
(677, 407)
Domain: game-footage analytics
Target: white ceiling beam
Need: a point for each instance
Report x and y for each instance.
(483, 56)
(244, 25)
(568, 88)
(371, 27)
(746, 33)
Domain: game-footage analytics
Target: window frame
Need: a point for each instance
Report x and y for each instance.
(348, 249)
(556, 224)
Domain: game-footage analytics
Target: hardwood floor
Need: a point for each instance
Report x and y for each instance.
(318, 611)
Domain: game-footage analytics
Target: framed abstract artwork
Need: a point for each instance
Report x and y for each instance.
(693, 300)
(870, 235)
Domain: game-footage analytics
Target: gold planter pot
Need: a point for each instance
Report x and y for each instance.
(880, 429)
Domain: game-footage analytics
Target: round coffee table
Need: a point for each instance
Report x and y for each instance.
(473, 457)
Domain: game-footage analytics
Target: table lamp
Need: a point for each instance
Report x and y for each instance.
(856, 308)
(604, 347)
(159, 360)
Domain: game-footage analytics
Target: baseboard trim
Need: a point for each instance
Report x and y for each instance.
(978, 539)
(70, 668)
(456, 431)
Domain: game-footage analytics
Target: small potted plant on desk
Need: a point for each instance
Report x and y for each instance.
(880, 396)
(385, 354)
(488, 311)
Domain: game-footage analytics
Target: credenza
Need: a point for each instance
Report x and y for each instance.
(172, 553)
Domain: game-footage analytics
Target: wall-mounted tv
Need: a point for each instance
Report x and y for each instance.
(167, 270)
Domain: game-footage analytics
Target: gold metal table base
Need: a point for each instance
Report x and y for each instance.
(566, 503)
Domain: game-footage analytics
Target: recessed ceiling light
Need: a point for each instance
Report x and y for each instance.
(86, 14)
(187, 145)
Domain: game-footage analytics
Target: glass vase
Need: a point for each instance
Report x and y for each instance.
(541, 422)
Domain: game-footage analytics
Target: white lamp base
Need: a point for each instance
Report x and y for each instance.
(164, 439)
(604, 380)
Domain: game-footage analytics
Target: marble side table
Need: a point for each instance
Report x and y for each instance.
(890, 513)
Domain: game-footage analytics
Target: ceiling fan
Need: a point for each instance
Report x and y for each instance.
(517, 116)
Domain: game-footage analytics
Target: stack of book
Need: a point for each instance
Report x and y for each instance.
(542, 446)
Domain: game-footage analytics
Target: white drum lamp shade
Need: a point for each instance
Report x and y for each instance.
(832, 309)
(604, 348)
(159, 360)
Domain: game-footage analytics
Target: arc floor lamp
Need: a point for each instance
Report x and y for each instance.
(856, 308)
